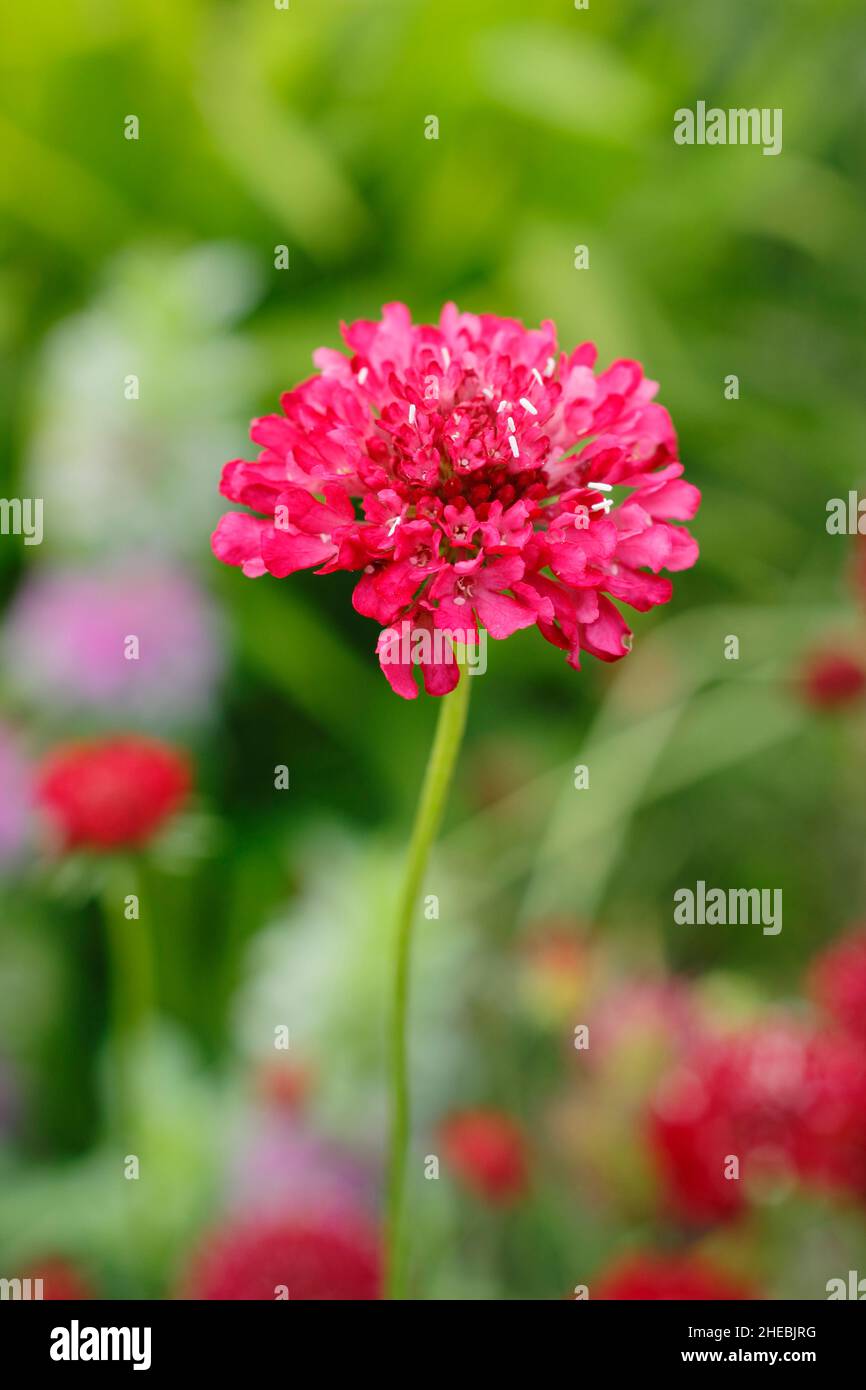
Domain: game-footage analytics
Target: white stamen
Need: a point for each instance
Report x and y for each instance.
(503, 405)
(527, 405)
(511, 425)
(488, 392)
(446, 357)
(600, 487)
(603, 506)
(538, 377)
(393, 524)
(362, 375)
(514, 446)
(411, 415)
(551, 364)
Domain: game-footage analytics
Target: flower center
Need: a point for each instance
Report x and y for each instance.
(463, 591)
(464, 448)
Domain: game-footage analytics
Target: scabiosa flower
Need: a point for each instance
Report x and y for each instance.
(831, 679)
(486, 1150)
(787, 1102)
(502, 485)
(838, 981)
(111, 793)
(310, 1258)
(648, 1276)
(136, 644)
(16, 800)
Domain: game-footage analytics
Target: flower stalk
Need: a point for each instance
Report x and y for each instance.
(428, 816)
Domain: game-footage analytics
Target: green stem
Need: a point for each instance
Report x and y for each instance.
(428, 815)
(132, 991)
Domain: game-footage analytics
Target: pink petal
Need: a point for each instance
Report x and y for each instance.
(502, 615)
(284, 553)
(674, 501)
(237, 540)
(684, 549)
(607, 638)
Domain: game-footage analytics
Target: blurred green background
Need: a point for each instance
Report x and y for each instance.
(155, 257)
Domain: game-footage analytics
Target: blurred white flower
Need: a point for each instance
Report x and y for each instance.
(324, 971)
(138, 395)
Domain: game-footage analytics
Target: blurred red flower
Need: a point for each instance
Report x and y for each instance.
(555, 965)
(487, 1152)
(311, 1258)
(284, 1085)
(785, 1101)
(645, 1275)
(829, 679)
(60, 1280)
(837, 981)
(111, 793)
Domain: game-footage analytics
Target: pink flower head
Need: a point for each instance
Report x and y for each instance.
(501, 485)
(66, 645)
